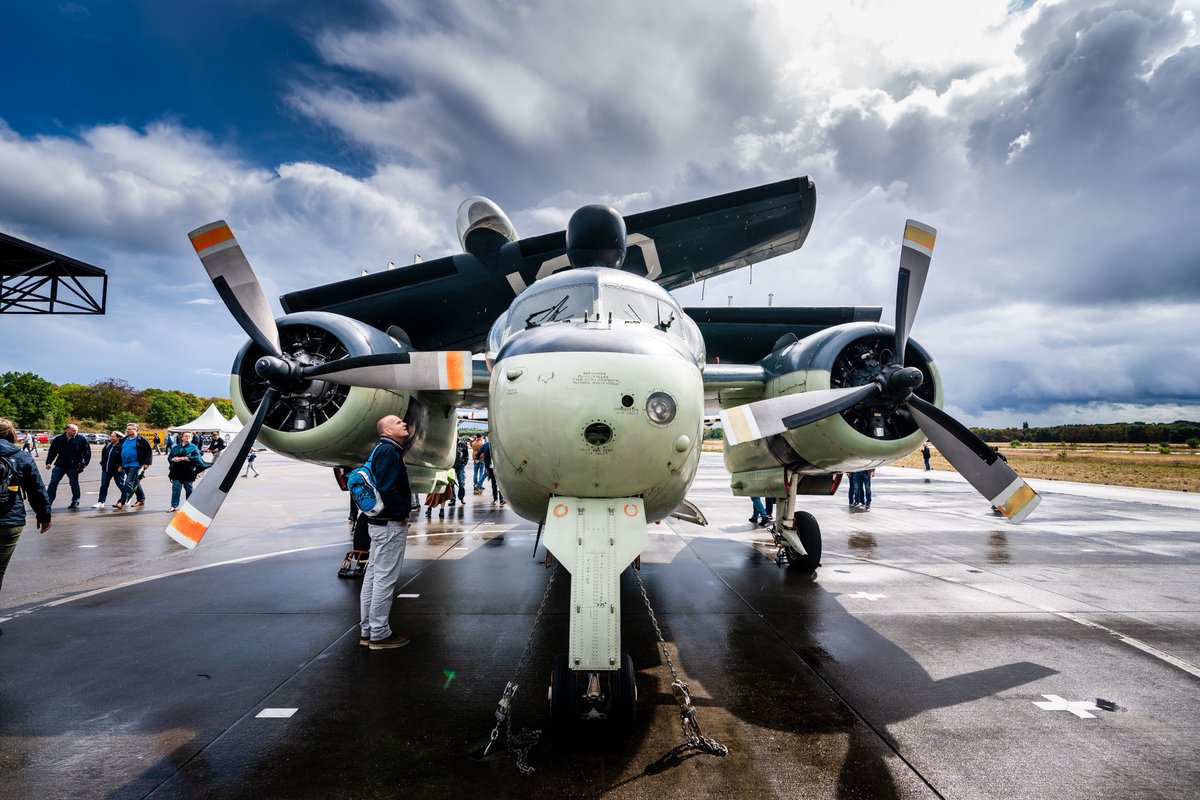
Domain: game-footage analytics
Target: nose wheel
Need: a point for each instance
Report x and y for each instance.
(578, 696)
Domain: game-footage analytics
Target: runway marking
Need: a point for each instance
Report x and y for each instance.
(1148, 649)
(94, 592)
(276, 713)
(87, 546)
(866, 596)
(1187, 667)
(408, 596)
(1079, 708)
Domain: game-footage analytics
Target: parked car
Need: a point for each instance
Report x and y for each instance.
(96, 438)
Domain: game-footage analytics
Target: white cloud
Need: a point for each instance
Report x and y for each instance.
(1053, 144)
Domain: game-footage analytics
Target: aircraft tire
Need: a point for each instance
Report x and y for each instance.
(809, 533)
(624, 697)
(563, 701)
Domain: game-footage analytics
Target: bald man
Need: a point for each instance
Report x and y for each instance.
(389, 536)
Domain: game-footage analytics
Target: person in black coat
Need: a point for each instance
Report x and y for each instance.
(73, 454)
(24, 483)
(110, 463)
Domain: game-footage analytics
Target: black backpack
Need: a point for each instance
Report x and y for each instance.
(9, 488)
(463, 454)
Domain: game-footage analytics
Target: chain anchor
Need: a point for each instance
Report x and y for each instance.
(520, 744)
(693, 735)
(503, 716)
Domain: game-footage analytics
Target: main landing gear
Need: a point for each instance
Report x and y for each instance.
(600, 695)
(808, 534)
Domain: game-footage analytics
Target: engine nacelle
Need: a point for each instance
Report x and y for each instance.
(332, 424)
(857, 439)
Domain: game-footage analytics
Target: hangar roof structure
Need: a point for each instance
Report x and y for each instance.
(34, 280)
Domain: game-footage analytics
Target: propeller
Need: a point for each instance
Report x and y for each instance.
(893, 386)
(236, 283)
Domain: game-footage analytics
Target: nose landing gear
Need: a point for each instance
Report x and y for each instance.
(596, 695)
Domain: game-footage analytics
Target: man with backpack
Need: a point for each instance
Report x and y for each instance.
(389, 535)
(18, 476)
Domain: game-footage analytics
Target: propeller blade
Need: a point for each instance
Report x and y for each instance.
(910, 283)
(235, 281)
(192, 521)
(979, 464)
(448, 369)
(774, 415)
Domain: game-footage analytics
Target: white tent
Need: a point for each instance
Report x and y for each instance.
(211, 420)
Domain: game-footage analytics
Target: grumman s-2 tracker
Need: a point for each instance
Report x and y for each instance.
(596, 384)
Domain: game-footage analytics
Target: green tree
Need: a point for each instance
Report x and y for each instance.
(7, 409)
(75, 395)
(118, 421)
(104, 399)
(34, 401)
(168, 409)
(1193, 443)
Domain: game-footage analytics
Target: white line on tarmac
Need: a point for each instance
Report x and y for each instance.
(94, 592)
(1174, 661)
(1186, 666)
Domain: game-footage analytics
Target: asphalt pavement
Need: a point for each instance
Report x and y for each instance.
(941, 652)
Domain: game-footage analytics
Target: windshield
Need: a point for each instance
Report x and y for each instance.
(628, 305)
(560, 304)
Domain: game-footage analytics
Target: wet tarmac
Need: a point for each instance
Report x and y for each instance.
(942, 652)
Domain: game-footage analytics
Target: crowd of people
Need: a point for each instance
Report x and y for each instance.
(123, 462)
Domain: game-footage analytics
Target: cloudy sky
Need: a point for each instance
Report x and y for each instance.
(1054, 145)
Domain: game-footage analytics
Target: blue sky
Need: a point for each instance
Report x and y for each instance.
(1055, 146)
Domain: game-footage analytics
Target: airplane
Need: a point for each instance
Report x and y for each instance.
(597, 383)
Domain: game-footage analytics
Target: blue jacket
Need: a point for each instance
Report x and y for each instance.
(25, 474)
(185, 471)
(391, 478)
(73, 453)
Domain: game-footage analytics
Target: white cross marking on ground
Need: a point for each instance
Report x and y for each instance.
(276, 713)
(866, 596)
(1079, 708)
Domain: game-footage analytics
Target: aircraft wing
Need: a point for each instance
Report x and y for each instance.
(451, 302)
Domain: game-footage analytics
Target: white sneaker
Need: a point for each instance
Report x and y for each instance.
(97, 505)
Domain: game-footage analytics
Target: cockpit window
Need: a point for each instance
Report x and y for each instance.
(561, 304)
(631, 306)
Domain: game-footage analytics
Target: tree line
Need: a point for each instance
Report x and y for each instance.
(1177, 432)
(33, 402)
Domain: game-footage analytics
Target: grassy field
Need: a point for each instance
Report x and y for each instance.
(1110, 464)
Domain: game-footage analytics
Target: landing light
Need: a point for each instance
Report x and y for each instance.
(660, 408)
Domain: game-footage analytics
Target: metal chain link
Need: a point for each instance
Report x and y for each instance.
(522, 743)
(693, 736)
